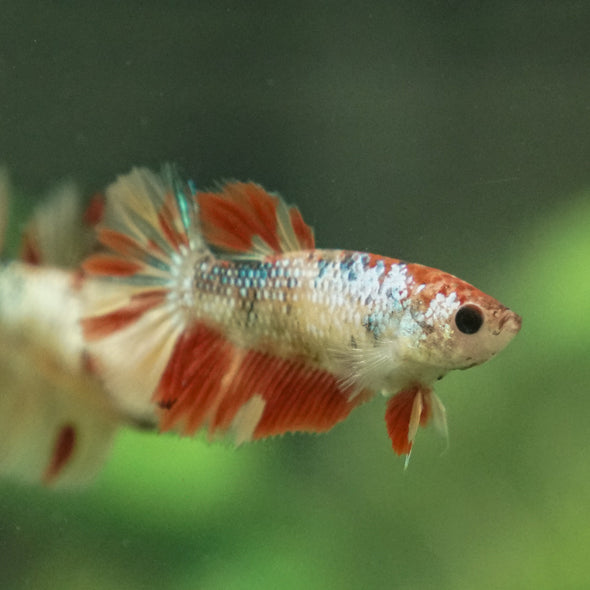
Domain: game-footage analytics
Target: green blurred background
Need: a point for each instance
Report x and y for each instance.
(454, 134)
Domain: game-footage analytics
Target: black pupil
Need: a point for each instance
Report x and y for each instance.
(469, 319)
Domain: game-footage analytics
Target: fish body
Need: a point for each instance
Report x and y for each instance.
(187, 311)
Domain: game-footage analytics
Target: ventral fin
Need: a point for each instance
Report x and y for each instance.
(244, 220)
(211, 383)
(407, 411)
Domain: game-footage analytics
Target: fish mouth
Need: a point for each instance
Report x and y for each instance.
(509, 321)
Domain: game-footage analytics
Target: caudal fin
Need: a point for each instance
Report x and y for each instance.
(134, 309)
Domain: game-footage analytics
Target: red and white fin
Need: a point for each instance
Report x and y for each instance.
(246, 221)
(134, 292)
(210, 382)
(407, 411)
(58, 233)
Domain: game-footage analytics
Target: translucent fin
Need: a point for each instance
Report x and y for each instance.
(135, 308)
(244, 220)
(56, 234)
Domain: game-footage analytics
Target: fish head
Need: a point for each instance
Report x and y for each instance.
(457, 326)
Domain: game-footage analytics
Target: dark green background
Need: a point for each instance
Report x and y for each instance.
(456, 134)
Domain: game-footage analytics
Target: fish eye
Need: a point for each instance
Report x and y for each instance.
(468, 319)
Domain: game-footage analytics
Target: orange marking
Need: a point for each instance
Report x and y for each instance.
(30, 249)
(63, 450)
(100, 326)
(95, 210)
(121, 243)
(107, 265)
(303, 232)
(230, 219)
(168, 219)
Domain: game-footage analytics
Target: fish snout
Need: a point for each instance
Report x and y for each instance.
(509, 321)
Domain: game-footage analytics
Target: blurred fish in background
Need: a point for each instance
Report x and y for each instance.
(56, 421)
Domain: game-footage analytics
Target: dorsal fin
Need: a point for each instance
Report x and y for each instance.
(243, 219)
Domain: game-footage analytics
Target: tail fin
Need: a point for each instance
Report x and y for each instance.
(134, 311)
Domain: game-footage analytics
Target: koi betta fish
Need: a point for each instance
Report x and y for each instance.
(214, 311)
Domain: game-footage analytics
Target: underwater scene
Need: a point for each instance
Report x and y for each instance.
(191, 366)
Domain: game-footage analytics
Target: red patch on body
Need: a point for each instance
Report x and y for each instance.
(63, 449)
(208, 380)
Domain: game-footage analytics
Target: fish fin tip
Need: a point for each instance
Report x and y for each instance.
(407, 459)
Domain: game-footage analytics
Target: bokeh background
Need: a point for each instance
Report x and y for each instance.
(456, 134)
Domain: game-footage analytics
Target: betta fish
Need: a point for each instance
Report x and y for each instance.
(214, 311)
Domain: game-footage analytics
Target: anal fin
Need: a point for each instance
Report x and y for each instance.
(209, 382)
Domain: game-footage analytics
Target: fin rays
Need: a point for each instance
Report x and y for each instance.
(289, 395)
